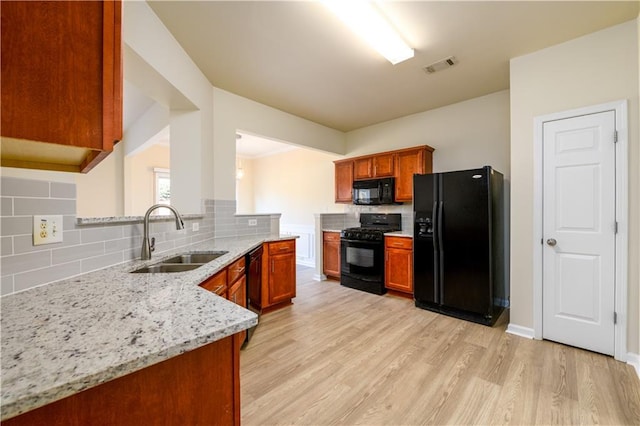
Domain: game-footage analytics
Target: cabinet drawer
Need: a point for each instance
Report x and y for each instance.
(331, 236)
(282, 247)
(398, 242)
(217, 283)
(236, 270)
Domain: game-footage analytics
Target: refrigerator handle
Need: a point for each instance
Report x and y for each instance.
(441, 252)
(440, 239)
(435, 224)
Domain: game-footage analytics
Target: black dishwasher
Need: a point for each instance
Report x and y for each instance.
(254, 285)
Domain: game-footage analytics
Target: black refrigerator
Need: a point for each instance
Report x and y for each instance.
(458, 244)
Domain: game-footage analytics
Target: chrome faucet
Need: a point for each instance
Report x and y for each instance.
(147, 247)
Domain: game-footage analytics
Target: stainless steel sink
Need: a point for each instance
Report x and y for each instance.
(195, 257)
(181, 263)
(174, 267)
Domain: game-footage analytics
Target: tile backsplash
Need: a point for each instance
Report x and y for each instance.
(88, 247)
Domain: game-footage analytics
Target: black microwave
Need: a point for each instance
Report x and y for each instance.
(374, 192)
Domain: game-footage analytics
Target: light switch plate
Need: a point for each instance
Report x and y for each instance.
(47, 229)
(253, 222)
(195, 226)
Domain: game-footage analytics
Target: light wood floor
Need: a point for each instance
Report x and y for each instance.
(341, 356)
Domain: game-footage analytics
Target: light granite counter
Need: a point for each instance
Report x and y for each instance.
(68, 336)
(398, 234)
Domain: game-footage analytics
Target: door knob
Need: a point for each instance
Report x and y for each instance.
(551, 242)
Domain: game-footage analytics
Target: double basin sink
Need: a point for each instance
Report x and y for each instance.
(181, 263)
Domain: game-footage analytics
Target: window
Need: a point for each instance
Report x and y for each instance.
(162, 188)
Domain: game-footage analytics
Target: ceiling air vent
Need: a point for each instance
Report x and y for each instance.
(440, 65)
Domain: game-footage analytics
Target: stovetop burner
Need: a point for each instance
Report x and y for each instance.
(373, 227)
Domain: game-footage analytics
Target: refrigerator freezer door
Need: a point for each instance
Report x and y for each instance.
(465, 248)
(425, 258)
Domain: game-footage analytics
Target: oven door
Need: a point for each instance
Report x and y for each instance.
(362, 264)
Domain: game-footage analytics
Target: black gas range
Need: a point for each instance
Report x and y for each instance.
(362, 252)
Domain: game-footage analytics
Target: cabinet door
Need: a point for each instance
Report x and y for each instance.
(331, 254)
(216, 284)
(383, 165)
(344, 181)
(363, 168)
(62, 83)
(399, 264)
(282, 278)
(408, 163)
(238, 295)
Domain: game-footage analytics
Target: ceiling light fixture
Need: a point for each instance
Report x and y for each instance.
(365, 20)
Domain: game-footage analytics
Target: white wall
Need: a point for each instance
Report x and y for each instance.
(245, 202)
(597, 68)
(166, 71)
(232, 113)
(465, 135)
(298, 184)
(140, 178)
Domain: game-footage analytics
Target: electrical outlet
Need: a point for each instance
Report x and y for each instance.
(195, 227)
(253, 222)
(47, 229)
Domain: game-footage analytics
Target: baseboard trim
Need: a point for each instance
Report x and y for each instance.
(634, 361)
(319, 277)
(521, 331)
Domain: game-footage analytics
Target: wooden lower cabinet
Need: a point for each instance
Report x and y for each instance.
(199, 387)
(278, 273)
(237, 293)
(398, 267)
(331, 254)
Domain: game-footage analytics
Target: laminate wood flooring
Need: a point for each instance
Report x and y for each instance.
(342, 356)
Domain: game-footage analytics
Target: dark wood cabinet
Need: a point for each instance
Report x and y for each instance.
(409, 162)
(279, 273)
(383, 165)
(398, 272)
(217, 284)
(363, 168)
(401, 164)
(331, 254)
(344, 181)
(61, 83)
(201, 387)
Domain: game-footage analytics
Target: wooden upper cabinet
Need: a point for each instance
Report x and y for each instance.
(376, 166)
(344, 181)
(408, 162)
(61, 83)
(383, 165)
(363, 168)
(401, 164)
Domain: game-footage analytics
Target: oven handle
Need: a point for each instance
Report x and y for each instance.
(361, 241)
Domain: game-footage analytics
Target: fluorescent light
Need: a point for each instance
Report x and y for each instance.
(366, 21)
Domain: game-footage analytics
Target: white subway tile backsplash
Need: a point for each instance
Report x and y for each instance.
(24, 187)
(46, 275)
(16, 225)
(25, 262)
(7, 246)
(103, 261)
(6, 284)
(63, 190)
(64, 255)
(93, 246)
(32, 206)
(6, 206)
(90, 235)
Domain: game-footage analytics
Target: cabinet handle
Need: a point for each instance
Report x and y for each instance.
(240, 270)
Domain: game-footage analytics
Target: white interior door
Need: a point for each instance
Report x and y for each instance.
(578, 257)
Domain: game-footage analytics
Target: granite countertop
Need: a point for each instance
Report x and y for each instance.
(331, 230)
(399, 234)
(68, 336)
